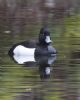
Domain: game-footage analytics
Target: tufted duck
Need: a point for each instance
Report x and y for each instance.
(27, 51)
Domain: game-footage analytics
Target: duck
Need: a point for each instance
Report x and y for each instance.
(26, 51)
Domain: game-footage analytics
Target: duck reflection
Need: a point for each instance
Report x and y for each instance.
(43, 62)
(45, 66)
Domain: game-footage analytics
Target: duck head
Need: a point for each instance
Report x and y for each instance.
(44, 36)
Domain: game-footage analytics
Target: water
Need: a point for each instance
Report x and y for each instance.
(23, 82)
(21, 20)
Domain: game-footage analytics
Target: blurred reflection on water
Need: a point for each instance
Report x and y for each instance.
(23, 82)
(21, 20)
(42, 62)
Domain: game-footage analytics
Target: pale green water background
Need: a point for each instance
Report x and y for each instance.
(23, 83)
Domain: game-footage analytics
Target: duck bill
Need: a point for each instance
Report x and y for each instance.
(48, 40)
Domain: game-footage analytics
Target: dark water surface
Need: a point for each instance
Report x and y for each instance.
(19, 82)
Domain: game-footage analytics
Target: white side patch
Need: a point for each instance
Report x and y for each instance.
(23, 59)
(22, 51)
(48, 40)
(23, 54)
